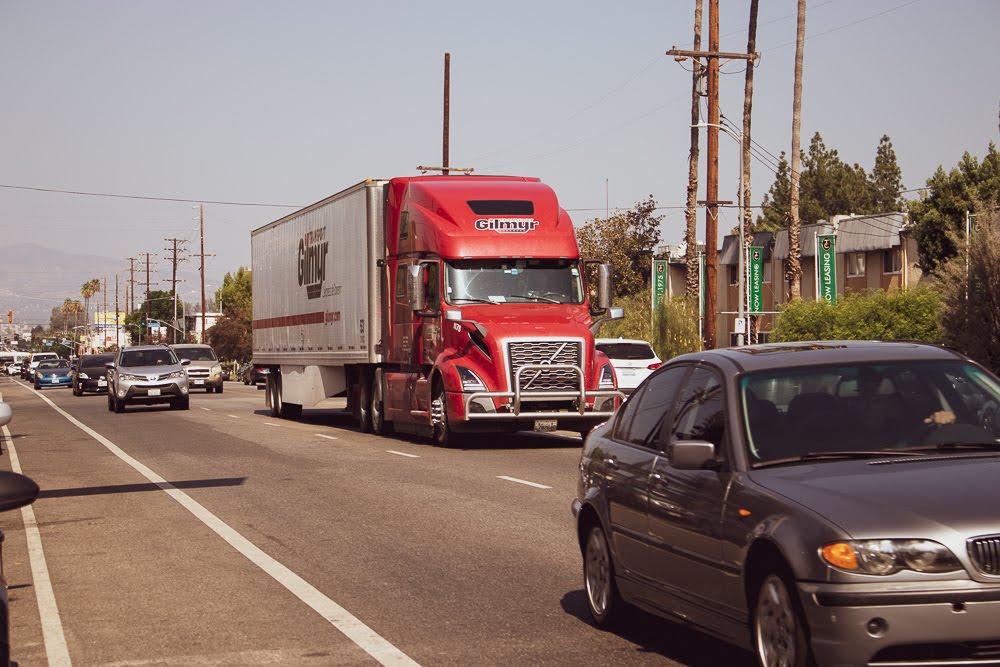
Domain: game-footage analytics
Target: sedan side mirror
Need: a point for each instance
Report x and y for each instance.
(16, 490)
(691, 454)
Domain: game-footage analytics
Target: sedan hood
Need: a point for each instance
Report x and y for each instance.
(917, 496)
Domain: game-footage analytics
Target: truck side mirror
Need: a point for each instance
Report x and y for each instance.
(604, 286)
(415, 286)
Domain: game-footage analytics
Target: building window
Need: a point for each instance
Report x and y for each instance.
(892, 260)
(734, 274)
(767, 272)
(855, 264)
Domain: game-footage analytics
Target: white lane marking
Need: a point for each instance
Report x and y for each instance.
(271, 424)
(328, 437)
(411, 456)
(364, 637)
(206, 409)
(233, 416)
(52, 630)
(523, 481)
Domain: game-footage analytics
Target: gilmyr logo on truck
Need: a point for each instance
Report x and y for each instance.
(313, 247)
(507, 225)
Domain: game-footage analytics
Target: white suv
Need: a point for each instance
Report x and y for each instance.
(205, 370)
(147, 374)
(633, 360)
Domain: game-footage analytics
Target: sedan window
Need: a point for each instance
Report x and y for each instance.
(647, 410)
(701, 410)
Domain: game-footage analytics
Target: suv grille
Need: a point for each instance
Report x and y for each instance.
(985, 554)
(197, 371)
(521, 353)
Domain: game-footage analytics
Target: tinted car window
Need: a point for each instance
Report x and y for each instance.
(630, 351)
(701, 411)
(196, 353)
(652, 405)
(95, 362)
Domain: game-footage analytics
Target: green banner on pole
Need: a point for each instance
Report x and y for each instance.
(826, 268)
(756, 279)
(660, 269)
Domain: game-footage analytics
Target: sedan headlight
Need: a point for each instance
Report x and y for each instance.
(129, 377)
(884, 557)
(83, 376)
(607, 378)
(470, 381)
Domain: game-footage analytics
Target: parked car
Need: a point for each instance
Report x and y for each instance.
(53, 373)
(90, 373)
(834, 501)
(633, 360)
(205, 370)
(252, 373)
(147, 374)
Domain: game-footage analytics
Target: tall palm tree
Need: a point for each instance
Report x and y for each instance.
(87, 290)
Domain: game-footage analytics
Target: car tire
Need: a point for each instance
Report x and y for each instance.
(603, 600)
(119, 405)
(218, 390)
(111, 403)
(779, 627)
(76, 391)
(37, 385)
(377, 406)
(182, 403)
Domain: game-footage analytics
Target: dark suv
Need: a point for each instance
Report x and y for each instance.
(147, 374)
(90, 373)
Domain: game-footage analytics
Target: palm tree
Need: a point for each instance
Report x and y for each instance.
(87, 290)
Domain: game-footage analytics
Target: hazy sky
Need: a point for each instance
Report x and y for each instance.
(287, 102)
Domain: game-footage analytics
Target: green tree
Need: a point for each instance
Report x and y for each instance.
(939, 215)
(161, 309)
(231, 338)
(774, 207)
(626, 240)
(672, 331)
(970, 300)
(87, 290)
(236, 294)
(886, 179)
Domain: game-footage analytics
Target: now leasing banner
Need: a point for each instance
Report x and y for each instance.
(826, 268)
(756, 279)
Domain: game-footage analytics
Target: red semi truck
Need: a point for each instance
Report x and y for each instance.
(439, 305)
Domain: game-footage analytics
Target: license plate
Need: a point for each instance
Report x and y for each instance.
(545, 425)
(199, 382)
(101, 382)
(153, 392)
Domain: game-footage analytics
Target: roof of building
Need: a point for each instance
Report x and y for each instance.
(730, 247)
(854, 234)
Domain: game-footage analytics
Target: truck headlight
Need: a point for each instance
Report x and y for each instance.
(884, 557)
(607, 378)
(470, 381)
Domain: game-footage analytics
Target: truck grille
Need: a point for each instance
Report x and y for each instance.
(985, 554)
(522, 353)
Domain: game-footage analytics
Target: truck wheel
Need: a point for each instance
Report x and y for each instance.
(443, 436)
(291, 410)
(274, 393)
(377, 411)
(365, 402)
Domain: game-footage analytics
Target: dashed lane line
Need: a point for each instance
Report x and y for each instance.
(409, 456)
(353, 628)
(328, 437)
(523, 481)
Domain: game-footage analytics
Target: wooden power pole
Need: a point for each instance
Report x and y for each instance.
(794, 273)
(712, 172)
(693, 281)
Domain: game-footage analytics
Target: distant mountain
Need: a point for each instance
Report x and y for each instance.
(35, 279)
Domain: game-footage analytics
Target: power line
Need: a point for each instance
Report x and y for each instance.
(145, 197)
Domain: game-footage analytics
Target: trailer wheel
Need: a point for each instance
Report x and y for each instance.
(365, 402)
(443, 435)
(274, 393)
(376, 412)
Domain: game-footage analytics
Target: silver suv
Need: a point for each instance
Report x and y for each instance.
(147, 374)
(205, 371)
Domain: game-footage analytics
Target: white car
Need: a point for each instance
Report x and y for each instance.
(633, 360)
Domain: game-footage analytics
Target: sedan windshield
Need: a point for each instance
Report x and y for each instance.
(513, 281)
(869, 410)
(53, 363)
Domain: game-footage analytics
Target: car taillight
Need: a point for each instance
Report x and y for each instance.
(653, 367)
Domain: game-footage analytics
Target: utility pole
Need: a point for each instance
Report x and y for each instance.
(447, 111)
(745, 210)
(118, 329)
(174, 258)
(794, 272)
(712, 176)
(148, 285)
(693, 281)
(131, 283)
(104, 314)
(202, 255)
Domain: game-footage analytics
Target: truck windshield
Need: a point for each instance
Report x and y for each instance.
(513, 281)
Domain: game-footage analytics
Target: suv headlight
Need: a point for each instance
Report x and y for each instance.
(216, 370)
(175, 375)
(128, 377)
(607, 378)
(884, 557)
(470, 381)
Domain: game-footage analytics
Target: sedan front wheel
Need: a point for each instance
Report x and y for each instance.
(603, 599)
(779, 630)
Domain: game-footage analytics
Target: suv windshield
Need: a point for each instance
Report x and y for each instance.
(196, 353)
(513, 281)
(868, 408)
(136, 358)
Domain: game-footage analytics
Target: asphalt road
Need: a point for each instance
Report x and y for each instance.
(223, 536)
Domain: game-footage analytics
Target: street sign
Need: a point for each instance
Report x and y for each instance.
(756, 279)
(741, 326)
(660, 269)
(826, 268)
